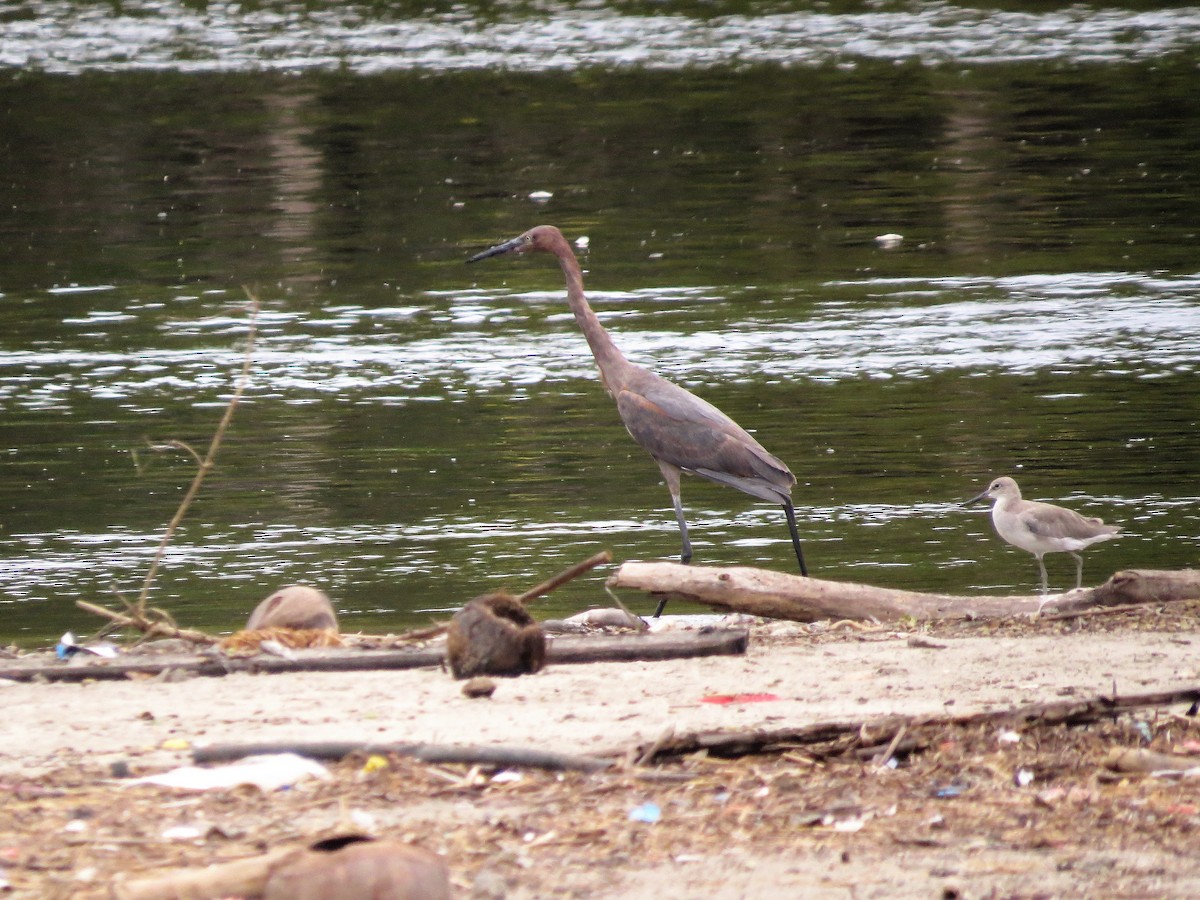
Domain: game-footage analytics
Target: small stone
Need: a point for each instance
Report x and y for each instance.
(479, 687)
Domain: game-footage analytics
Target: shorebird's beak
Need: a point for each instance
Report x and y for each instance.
(517, 244)
(974, 499)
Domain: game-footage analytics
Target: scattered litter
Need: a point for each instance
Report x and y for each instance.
(175, 744)
(698, 622)
(725, 699)
(582, 242)
(647, 812)
(540, 196)
(374, 763)
(275, 648)
(1008, 737)
(268, 772)
(847, 826)
(1050, 797)
(508, 776)
(889, 241)
(182, 833)
(948, 791)
(1023, 777)
(606, 617)
(68, 646)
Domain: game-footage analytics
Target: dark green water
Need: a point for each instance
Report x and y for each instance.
(417, 431)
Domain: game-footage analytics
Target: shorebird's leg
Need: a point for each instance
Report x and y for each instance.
(1078, 569)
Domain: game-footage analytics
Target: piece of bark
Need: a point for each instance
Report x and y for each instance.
(777, 595)
(294, 606)
(1139, 759)
(494, 635)
(240, 878)
(363, 870)
(591, 649)
(434, 753)
(349, 868)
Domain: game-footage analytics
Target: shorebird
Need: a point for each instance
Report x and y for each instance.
(1041, 528)
(681, 432)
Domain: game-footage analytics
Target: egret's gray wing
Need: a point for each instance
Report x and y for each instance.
(676, 427)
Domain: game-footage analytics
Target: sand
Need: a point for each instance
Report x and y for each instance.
(605, 708)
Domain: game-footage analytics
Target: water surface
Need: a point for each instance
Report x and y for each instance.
(416, 431)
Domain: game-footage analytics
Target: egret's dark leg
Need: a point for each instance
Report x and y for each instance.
(671, 476)
(685, 553)
(790, 512)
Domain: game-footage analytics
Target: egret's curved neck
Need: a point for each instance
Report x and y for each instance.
(612, 363)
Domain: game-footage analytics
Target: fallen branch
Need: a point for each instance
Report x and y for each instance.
(866, 738)
(149, 628)
(568, 574)
(503, 757)
(777, 595)
(559, 650)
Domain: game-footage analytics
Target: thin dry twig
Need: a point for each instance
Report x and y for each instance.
(566, 575)
(206, 464)
(438, 629)
(155, 621)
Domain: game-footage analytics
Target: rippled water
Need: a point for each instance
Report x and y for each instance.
(416, 431)
(69, 37)
(907, 328)
(1081, 379)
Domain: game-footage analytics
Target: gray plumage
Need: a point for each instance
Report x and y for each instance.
(1041, 528)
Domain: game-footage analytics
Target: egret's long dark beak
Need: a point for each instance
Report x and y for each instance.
(974, 499)
(506, 247)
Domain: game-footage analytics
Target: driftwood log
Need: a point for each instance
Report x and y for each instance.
(776, 595)
(559, 650)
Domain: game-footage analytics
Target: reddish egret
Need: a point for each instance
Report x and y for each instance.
(679, 430)
(1041, 528)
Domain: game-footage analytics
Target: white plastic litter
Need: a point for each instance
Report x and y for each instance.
(268, 772)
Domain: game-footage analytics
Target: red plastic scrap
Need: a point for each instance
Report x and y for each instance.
(724, 699)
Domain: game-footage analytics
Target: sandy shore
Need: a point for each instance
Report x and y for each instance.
(70, 733)
(597, 708)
